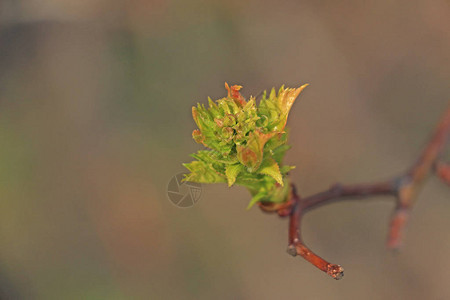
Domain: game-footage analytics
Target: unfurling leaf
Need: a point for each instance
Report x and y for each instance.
(203, 173)
(286, 98)
(233, 92)
(232, 171)
(251, 155)
(270, 167)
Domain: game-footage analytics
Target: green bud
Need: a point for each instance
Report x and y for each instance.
(246, 143)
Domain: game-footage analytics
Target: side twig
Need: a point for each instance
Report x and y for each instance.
(404, 188)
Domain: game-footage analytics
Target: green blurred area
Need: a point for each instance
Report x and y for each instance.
(95, 119)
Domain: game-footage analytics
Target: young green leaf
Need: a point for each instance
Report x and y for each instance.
(232, 171)
(203, 173)
(251, 155)
(270, 167)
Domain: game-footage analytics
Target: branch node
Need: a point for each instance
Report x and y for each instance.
(291, 250)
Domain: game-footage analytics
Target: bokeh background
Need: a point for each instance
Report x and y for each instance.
(95, 103)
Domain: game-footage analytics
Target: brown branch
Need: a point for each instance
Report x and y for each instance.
(298, 247)
(404, 188)
(443, 171)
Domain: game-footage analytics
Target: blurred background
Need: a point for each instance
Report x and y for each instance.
(95, 119)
